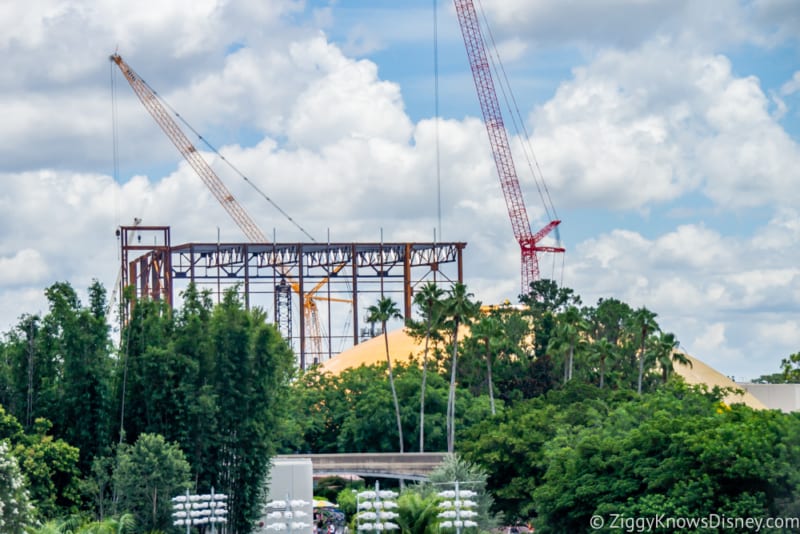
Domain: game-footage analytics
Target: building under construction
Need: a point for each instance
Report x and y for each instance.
(316, 293)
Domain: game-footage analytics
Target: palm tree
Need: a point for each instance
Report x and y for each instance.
(381, 312)
(665, 348)
(602, 351)
(111, 525)
(418, 514)
(459, 309)
(643, 322)
(429, 301)
(571, 326)
(488, 329)
(124, 524)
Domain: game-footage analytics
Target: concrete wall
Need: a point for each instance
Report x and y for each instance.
(784, 397)
(290, 480)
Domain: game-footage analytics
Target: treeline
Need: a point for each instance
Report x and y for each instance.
(568, 410)
(573, 411)
(190, 400)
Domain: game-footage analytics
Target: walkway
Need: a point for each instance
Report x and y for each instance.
(408, 466)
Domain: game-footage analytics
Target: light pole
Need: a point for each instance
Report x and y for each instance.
(284, 515)
(459, 512)
(194, 510)
(375, 508)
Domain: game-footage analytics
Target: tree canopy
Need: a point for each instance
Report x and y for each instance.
(565, 411)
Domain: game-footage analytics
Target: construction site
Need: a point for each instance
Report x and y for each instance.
(317, 293)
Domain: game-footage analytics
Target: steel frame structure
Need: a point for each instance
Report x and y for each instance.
(352, 276)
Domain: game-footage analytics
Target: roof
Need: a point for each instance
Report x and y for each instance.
(403, 347)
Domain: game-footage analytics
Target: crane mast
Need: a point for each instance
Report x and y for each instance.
(501, 149)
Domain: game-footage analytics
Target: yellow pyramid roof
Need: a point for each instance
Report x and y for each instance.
(403, 346)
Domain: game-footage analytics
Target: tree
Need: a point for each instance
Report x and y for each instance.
(602, 351)
(791, 368)
(459, 309)
(545, 296)
(215, 381)
(676, 452)
(471, 476)
(382, 312)
(16, 511)
(429, 301)
(642, 322)
(147, 334)
(148, 475)
(252, 368)
(124, 524)
(489, 331)
(84, 345)
(569, 330)
(665, 346)
(544, 301)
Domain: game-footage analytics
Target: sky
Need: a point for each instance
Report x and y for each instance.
(667, 132)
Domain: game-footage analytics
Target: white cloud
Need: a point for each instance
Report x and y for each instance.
(349, 100)
(648, 127)
(792, 86)
(632, 129)
(26, 267)
(718, 293)
(629, 23)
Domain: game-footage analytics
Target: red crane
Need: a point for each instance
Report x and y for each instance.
(501, 150)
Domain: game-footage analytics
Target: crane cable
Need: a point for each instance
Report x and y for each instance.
(436, 117)
(229, 164)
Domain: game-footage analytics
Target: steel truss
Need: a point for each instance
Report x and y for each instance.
(343, 278)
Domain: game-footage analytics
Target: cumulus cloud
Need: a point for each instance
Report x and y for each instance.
(630, 23)
(634, 129)
(26, 267)
(717, 292)
(650, 125)
(792, 86)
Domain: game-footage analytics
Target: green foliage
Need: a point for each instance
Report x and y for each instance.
(791, 368)
(16, 511)
(252, 365)
(471, 476)
(148, 475)
(547, 407)
(418, 513)
(346, 499)
(329, 487)
(430, 302)
(382, 312)
(459, 309)
(678, 452)
(124, 524)
(353, 411)
(10, 429)
(215, 381)
(51, 467)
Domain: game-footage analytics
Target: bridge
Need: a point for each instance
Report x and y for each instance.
(407, 466)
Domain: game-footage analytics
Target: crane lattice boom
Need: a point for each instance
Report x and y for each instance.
(501, 149)
(152, 103)
(185, 147)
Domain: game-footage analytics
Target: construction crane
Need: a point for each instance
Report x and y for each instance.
(529, 241)
(153, 104)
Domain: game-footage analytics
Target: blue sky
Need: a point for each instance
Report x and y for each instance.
(668, 132)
